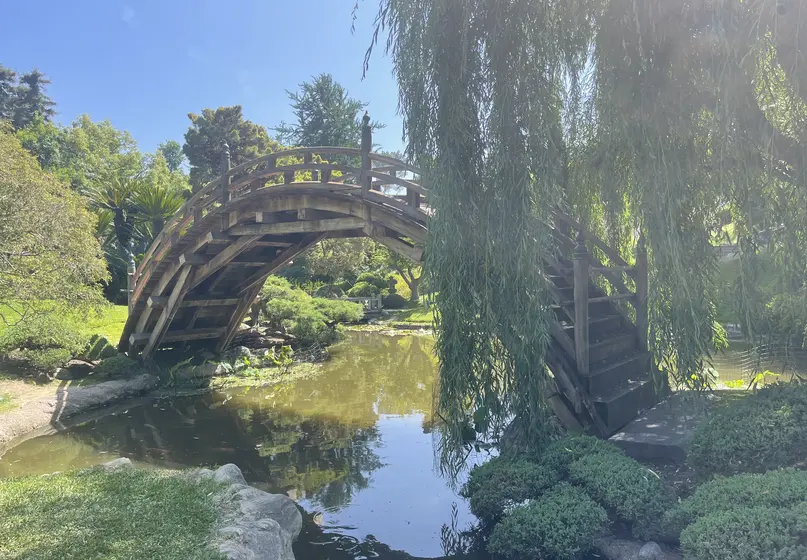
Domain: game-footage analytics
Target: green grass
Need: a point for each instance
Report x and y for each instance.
(93, 514)
(415, 315)
(109, 323)
(6, 403)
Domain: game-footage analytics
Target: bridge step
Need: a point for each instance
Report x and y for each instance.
(606, 375)
(599, 327)
(615, 346)
(622, 404)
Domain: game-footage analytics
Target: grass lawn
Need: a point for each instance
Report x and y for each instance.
(108, 323)
(416, 315)
(94, 514)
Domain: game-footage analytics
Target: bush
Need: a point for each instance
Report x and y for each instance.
(363, 289)
(622, 485)
(329, 291)
(747, 534)
(561, 525)
(118, 366)
(343, 285)
(759, 433)
(563, 452)
(340, 311)
(779, 489)
(394, 301)
(378, 280)
(501, 483)
(46, 341)
(309, 320)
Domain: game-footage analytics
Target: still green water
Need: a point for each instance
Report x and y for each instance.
(353, 443)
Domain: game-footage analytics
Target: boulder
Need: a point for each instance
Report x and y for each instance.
(241, 352)
(75, 369)
(229, 474)
(256, 539)
(651, 551)
(117, 464)
(257, 504)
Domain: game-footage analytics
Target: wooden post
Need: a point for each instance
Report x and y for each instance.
(130, 280)
(641, 292)
(581, 280)
(224, 170)
(365, 178)
(308, 159)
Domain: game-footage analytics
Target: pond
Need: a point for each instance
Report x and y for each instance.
(352, 445)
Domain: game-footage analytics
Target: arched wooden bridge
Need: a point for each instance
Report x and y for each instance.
(204, 270)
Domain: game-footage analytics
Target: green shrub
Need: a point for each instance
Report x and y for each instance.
(561, 525)
(759, 533)
(310, 320)
(563, 452)
(340, 311)
(378, 280)
(765, 431)
(779, 489)
(394, 301)
(118, 366)
(46, 341)
(329, 291)
(622, 485)
(501, 483)
(363, 289)
(343, 285)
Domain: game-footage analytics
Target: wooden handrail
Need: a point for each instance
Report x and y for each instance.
(599, 243)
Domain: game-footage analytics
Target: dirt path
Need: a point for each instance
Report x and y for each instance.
(51, 404)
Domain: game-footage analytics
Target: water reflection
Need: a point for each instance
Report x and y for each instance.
(352, 442)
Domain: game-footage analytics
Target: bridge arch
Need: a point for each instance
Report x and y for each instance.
(201, 274)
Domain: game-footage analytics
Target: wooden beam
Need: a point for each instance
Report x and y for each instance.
(281, 244)
(406, 250)
(195, 259)
(238, 317)
(313, 226)
(161, 302)
(228, 254)
(179, 336)
(162, 284)
(167, 315)
(259, 277)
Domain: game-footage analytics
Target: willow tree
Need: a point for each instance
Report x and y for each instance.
(653, 117)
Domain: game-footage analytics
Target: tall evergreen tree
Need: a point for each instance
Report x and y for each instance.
(326, 115)
(8, 92)
(172, 152)
(209, 131)
(31, 99)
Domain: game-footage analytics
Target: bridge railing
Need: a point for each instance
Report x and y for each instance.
(309, 167)
(615, 274)
(371, 305)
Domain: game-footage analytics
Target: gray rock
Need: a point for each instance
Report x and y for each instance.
(200, 474)
(229, 474)
(651, 551)
(257, 504)
(43, 378)
(262, 352)
(241, 352)
(618, 549)
(263, 539)
(117, 464)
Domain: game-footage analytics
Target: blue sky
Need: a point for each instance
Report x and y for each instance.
(145, 64)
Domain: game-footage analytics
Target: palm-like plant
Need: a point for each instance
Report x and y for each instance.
(154, 204)
(115, 196)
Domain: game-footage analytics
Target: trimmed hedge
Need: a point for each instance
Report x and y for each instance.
(118, 366)
(622, 485)
(765, 431)
(561, 525)
(777, 489)
(502, 483)
(560, 454)
(747, 534)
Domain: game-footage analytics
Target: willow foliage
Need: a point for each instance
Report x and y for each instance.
(658, 116)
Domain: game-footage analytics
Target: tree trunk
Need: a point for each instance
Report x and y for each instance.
(413, 286)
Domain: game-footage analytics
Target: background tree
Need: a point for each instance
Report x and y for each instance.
(31, 99)
(8, 90)
(49, 256)
(172, 152)
(208, 132)
(326, 115)
(409, 271)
